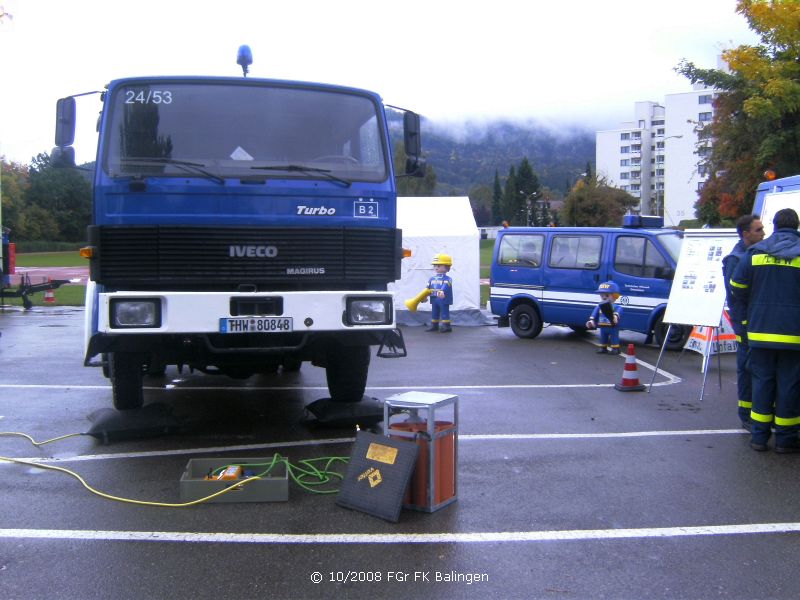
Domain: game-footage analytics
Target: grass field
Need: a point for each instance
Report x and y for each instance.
(66, 295)
(51, 259)
(73, 295)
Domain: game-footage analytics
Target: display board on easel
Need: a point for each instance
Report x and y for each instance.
(698, 289)
(697, 296)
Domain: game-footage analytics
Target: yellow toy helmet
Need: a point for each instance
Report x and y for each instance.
(442, 259)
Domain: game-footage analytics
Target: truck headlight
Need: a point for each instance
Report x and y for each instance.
(130, 313)
(369, 311)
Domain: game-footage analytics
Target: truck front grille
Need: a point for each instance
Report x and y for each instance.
(243, 258)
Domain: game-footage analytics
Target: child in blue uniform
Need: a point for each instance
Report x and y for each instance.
(441, 294)
(606, 317)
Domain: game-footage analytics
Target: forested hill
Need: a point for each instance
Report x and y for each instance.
(469, 158)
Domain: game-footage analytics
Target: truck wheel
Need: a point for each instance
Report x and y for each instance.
(677, 335)
(347, 372)
(125, 370)
(525, 321)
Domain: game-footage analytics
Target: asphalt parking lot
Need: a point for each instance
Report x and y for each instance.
(567, 488)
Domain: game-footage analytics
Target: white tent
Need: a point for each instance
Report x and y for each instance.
(438, 225)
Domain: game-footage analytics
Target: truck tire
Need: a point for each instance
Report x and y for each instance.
(125, 370)
(347, 372)
(525, 321)
(677, 335)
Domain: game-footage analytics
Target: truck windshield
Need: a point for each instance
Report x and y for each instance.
(219, 130)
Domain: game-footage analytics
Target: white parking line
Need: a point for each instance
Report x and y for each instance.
(401, 538)
(670, 380)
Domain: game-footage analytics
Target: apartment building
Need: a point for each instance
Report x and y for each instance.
(658, 156)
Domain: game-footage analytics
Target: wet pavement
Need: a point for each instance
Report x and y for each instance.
(566, 487)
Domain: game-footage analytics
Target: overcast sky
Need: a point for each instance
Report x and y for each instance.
(555, 61)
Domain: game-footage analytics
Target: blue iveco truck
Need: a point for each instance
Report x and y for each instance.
(240, 225)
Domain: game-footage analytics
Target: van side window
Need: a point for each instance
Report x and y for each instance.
(576, 251)
(639, 257)
(521, 250)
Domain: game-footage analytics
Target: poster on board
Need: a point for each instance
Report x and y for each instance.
(697, 296)
(775, 201)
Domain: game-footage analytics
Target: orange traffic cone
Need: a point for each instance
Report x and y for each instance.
(49, 295)
(630, 374)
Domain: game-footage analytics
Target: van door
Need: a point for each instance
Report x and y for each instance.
(643, 271)
(517, 269)
(575, 268)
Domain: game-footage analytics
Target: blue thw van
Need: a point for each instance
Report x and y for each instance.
(551, 274)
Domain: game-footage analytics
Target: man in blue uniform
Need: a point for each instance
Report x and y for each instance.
(751, 231)
(766, 288)
(441, 288)
(605, 317)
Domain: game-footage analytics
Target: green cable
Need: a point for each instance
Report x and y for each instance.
(304, 474)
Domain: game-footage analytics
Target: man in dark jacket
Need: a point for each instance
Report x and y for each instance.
(751, 231)
(766, 288)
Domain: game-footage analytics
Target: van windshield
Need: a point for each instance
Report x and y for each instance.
(672, 243)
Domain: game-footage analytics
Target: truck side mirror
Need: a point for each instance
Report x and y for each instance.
(65, 122)
(415, 166)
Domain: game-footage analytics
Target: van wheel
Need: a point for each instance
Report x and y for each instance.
(677, 335)
(525, 321)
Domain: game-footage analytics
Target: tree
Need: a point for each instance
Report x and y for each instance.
(58, 201)
(510, 206)
(594, 203)
(756, 123)
(412, 186)
(480, 198)
(14, 182)
(528, 188)
(497, 197)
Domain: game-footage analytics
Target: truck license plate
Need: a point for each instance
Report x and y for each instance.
(255, 324)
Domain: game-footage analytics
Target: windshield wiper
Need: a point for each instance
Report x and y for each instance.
(186, 166)
(308, 171)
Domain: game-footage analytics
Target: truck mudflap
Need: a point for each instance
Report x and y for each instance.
(393, 345)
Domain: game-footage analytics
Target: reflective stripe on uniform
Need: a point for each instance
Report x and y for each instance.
(760, 260)
(742, 286)
(776, 338)
(784, 422)
(745, 404)
(760, 418)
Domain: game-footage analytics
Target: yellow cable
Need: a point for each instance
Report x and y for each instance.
(128, 500)
(299, 475)
(34, 442)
